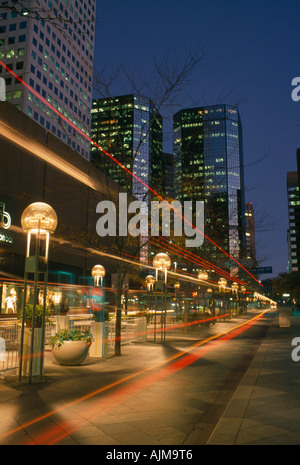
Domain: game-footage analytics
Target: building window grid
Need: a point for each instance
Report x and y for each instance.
(23, 24)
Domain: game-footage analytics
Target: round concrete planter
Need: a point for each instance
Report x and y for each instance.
(71, 352)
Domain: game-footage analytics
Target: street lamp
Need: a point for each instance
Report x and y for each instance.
(161, 262)
(177, 287)
(203, 276)
(150, 280)
(243, 290)
(222, 285)
(98, 272)
(234, 289)
(39, 220)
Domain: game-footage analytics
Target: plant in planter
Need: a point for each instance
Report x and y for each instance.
(71, 346)
(100, 315)
(38, 315)
(37, 347)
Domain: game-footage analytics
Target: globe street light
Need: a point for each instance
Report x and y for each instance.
(98, 272)
(234, 289)
(203, 276)
(161, 262)
(39, 220)
(222, 285)
(150, 280)
(177, 287)
(244, 306)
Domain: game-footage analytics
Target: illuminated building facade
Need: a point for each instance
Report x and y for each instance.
(55, 58)
(131, 131)
(36, 166)
(293, 233)
(208, 158)
(250, 236)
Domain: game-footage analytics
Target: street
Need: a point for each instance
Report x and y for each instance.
(154, 394)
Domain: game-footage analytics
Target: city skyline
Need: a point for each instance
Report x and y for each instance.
(266, 136)
(251, 65)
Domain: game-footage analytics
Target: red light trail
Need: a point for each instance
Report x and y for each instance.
(120, 164)
(197, 260)
(138, 381)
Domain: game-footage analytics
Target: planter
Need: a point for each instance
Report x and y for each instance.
(71, 352)
(37, 351)
(141, 329)
(62, 322)
(99, 346)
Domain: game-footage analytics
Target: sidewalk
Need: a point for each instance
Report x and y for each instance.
(157, 409)
(265, 409)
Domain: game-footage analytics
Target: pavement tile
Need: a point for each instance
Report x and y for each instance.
(136, 439)
(263, 409)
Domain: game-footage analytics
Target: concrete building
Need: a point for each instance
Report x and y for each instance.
(54, 58)
(38, 167)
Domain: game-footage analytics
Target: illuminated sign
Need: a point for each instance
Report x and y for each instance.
(5, 223)
(5, 218)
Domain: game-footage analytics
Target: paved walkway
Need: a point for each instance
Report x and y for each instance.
(265, 409)
(142, 407)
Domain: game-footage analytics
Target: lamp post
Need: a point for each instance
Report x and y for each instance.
(161, 262)
(149, 281)
(203, 276)
(212, 302)
(99, 327)
(222, 285)
(244, 307)
(39, 220)
(98, 272)
(234, 289)
(177, 287)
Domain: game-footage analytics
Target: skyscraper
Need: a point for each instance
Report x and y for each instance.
(293, 233)
(52, 51)
(131, 131)
(250, 236)
(208, 157)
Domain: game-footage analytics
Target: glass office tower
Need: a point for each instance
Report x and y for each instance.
(293, 232)
(208, 159)
(55, 58)
(131, 131)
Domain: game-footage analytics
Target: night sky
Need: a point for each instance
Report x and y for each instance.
(251, 54)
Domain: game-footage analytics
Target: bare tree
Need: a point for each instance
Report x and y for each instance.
(164, 88)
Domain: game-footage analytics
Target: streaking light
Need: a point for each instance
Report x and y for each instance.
(121, 165)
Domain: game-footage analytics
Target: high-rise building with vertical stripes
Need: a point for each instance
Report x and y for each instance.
(49, 44)
(208, 158)
(130, 129)
(293, 232)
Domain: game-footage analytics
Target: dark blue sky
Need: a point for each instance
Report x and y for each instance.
(252, 51)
